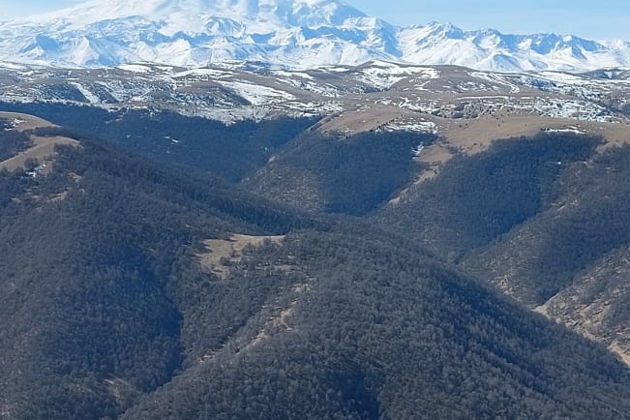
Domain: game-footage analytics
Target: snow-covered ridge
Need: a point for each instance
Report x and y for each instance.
(405, 97)
(293, 34)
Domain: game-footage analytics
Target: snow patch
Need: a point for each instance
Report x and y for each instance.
(256, 94)
(571, 130)
(135, 68)
(210, 73)
(91, 98)
(418, 126)
(386, 76)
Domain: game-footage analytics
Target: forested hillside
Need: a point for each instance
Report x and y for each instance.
(341, 174)
(124, 294)
(476, 199)
(539, 218)
(283, 159)
(12, 141)
(88, 253)
(228, 151)
(363, 328)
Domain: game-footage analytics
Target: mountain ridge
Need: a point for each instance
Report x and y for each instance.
(288, 33)
(330, 317)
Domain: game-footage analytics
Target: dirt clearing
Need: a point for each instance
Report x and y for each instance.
(221, 253)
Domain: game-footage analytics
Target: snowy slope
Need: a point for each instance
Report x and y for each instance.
(286, 33)
(489, 49)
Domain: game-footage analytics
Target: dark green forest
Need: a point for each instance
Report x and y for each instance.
(351, 175)
(228, 151)
(12, 141)
(383, 332)
(541, 209)
(476, 199)
(108, 313)
(588, 216)
(281, 159)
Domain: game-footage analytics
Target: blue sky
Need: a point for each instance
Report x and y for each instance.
(604, 19)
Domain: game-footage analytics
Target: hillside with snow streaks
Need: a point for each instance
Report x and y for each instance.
(375, 96)
(286, 33)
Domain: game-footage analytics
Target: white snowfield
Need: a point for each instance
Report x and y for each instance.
(291, 34)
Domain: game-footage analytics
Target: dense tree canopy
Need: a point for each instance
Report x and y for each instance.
(108, 311)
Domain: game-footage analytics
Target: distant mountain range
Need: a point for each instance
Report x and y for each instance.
(284, 33)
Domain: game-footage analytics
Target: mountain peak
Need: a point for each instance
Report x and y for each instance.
(291, 33)
(292, 12)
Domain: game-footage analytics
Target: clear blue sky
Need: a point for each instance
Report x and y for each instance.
(603, 19)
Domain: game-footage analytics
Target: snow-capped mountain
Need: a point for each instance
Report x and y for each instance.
(489, 49)
(288, 33)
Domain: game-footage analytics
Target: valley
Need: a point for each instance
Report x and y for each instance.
(330, 316)
(288, 209)
(421, 152)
